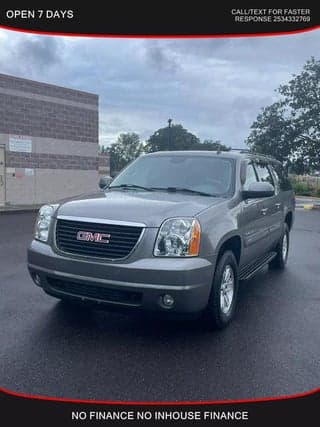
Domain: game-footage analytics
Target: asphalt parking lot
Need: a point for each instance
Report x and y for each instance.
(271, 348)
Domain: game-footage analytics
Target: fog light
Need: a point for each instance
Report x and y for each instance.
(167, 300)
(37, 279)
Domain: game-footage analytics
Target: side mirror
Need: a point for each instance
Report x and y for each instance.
(104, 182)
(258, 190)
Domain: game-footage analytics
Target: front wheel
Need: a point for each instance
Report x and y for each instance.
(282, 250)
(222, 301)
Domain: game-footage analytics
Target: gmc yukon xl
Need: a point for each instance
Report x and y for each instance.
(173, 232)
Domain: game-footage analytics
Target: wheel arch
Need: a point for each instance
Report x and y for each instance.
(289, 219)
(231, 242)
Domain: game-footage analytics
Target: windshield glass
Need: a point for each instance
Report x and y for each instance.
(212, 175)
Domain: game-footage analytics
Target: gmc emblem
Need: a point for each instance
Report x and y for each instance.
(87, 236)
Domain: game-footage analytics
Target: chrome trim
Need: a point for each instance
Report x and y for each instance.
(100, 220)
(87, 257)
(114, 283)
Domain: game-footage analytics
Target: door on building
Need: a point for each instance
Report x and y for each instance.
(2, 177)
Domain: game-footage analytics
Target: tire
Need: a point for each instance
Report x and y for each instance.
(282, 249)
(222, 303)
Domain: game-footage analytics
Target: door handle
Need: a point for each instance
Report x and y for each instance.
(1, 181)
(278, 205)
(264, 211)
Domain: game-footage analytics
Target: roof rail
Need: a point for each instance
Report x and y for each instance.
(241, 150)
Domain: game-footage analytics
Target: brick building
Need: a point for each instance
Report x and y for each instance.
(48, 142)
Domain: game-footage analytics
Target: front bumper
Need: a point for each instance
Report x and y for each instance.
(139, 284)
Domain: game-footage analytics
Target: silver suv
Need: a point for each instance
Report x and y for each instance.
(173, 232)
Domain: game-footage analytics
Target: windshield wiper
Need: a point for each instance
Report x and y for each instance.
(128, 186)
(182, 189)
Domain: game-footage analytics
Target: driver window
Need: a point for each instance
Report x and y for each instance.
(250, 176)
(263, 173)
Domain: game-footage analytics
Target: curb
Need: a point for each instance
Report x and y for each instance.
(7, 211)
(308, 206)
(308, 197)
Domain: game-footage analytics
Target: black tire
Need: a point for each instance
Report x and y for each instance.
(215, 315)
(280, 260)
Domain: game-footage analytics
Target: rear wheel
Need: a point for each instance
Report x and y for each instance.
(282, 250)
(222, 301)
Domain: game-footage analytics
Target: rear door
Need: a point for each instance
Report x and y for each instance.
(2, 176)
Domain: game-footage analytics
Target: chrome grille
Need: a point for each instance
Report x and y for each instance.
(121, 241)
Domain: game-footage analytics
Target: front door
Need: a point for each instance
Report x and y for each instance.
(272, 208)
(2, 177)
(252, 222)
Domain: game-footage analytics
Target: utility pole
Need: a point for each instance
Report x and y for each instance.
(169, 133)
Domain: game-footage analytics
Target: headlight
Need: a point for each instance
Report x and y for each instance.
(178, 237)
(43, 222)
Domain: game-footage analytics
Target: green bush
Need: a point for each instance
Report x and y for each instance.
(302, 189)
(293, 179)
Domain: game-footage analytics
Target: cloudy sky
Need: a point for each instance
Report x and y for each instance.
(214, 87)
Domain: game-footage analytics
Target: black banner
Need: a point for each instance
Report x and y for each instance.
(157, 19)
(21, 410)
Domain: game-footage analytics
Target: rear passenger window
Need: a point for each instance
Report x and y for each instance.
(264, 173)
(250, 176)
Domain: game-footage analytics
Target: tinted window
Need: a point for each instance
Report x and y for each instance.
(250, 176)
(264, 173)
(213, 175)
(276, 178)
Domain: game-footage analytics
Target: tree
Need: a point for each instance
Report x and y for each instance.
(271, 132)
(178, 138)
(302, 96)
(127, 148)
(173, 138)
(208, 144)
(290, 128)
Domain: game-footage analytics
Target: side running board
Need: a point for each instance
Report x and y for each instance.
(250, 270)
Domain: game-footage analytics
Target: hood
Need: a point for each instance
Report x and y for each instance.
(150, 208)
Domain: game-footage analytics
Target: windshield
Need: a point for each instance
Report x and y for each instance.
(211, 175)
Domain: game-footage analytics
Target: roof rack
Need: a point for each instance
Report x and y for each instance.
(241, 150)
(254, 154)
